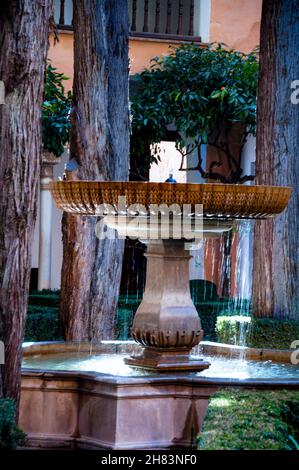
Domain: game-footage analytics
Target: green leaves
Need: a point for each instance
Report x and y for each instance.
(259, 332)
(10, 435)
(56, 110)
(196, 89)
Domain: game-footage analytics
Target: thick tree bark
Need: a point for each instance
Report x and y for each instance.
(276, 253)
(23, 46)
(91, 268)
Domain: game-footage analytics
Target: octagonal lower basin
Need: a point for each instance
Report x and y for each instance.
(83, 396)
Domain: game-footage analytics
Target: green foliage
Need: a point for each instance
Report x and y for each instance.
(246, 420)
(45, 292)
(202, 290)
(43, 322)
(126, 309)
(259, 332)
(123, 323)
(45, 298)
(228, 328)
(270, 333)
(208, 313)
(10, 435)
(202, 91)
(55, 112)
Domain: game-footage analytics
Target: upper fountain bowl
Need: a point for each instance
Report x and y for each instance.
(219, 201)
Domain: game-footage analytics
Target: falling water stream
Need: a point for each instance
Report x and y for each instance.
(225, 261)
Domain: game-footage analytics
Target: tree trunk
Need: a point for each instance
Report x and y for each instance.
(23, 46)
(276, 254)
(91, 268)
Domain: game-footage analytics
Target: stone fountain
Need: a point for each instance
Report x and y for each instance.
(87, 396)
(166, 323)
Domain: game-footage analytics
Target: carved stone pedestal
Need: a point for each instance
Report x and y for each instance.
(167, 323)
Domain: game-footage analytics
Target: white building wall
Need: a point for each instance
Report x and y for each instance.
(170, 163)
(56, 237)
(202, 19)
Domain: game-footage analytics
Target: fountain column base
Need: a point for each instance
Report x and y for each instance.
(166, 361)
(166, 323)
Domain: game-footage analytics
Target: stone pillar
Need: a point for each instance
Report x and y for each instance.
(167, 323)
(45, 221)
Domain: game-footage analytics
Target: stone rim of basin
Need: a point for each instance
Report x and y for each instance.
(219, 200)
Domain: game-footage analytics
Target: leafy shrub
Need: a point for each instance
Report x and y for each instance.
(271, 333)
(259, 332)
(204, 92)
(56, 109)
(42, 324)
(44, 299)
(232, 329)
(10, 435)
(247, 420)
(208, 313)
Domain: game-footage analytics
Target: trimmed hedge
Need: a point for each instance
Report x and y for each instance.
(123, 323)
(209, 312)
(259, 332)
(203, 291)
(42, 324)
(270, 333)
(232, 329)
(247, 420)
(10, 435)
(45, 298)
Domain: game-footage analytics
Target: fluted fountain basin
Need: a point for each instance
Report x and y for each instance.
(219, 200)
